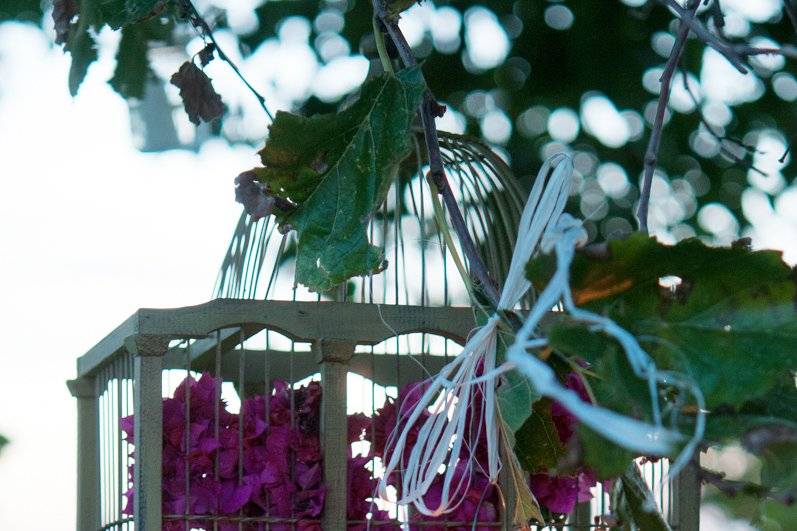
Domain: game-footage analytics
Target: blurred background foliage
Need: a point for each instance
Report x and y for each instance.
(531, 77)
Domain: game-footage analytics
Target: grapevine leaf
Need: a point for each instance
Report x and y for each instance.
(130, 76)
(757, 422)
(114, 13)
(527, 508)
(537, 443)
(604, 457)
(337, 168)
(139, 9)
(779, 465)
(515, 398)
(200, 99)
(730, 324)
(614, 386)
(641, 505)
(80, 45)
(132, 64)
(610, 377)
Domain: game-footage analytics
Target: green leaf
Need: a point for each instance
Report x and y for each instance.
(114, 13)
(84, 52)
(515, 399)
(337, 169)
(640, 502)
(537, 444)
(604, 457)
(527, 508)
(138, 9)
(774, 413)
(779, 465)
(730, 325)
(132, 66)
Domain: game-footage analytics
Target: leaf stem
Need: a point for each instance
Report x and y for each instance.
(381, 49)
(204, 28)
(429, 110)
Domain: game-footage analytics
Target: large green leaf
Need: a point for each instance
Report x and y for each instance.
(132, 64)
(730, 324)
(81, 46)
(537, 444)
(337, 169)
(757, 421)
(132, 67)
(515, 399)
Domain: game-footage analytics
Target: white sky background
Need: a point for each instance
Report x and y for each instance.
(91, 229)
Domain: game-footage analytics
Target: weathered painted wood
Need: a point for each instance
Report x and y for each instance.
(88, 454)
(383, 369)
(334, 357)
(687, 498)
(302, 321)
(148, 430)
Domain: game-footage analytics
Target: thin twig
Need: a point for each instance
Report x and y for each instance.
(651, 154)
(204, 28)
(429, 110)
(734, 487)
(748, 51)
(718, 17)
(716, 42)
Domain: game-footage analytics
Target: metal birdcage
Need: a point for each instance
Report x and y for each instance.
(363, 342)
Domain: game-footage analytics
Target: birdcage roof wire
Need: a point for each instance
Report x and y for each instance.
(420, 269)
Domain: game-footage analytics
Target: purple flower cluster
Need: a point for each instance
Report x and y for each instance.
(267, 461)
(480, 500)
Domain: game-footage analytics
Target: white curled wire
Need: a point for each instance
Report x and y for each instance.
(441, 436)
(646, 438)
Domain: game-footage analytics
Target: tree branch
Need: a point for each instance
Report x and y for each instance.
(429, 110)
(651, 154)
(204, 28)
(720, 45)
(734, 487)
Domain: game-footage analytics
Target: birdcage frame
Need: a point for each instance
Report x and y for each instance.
(123, 374)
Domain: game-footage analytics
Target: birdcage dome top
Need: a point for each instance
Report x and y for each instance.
(420, 266)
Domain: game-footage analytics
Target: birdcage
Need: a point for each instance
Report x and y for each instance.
(143, 413)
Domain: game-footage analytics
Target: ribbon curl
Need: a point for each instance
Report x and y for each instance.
(442, 441)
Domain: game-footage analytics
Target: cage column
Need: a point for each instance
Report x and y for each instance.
(88, 453)
(334, 357)
(148, 354)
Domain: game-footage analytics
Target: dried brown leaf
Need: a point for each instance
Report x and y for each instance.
(206, 54)
(64, 12)
(200, 99)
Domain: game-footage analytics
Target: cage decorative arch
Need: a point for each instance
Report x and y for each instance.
(389, 329)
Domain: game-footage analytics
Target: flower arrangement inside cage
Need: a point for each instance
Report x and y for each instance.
(228, 471)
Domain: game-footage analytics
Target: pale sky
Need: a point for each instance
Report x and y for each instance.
(91, 229)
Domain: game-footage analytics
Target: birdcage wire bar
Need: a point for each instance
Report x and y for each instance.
(380, 331)
(249, 344)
